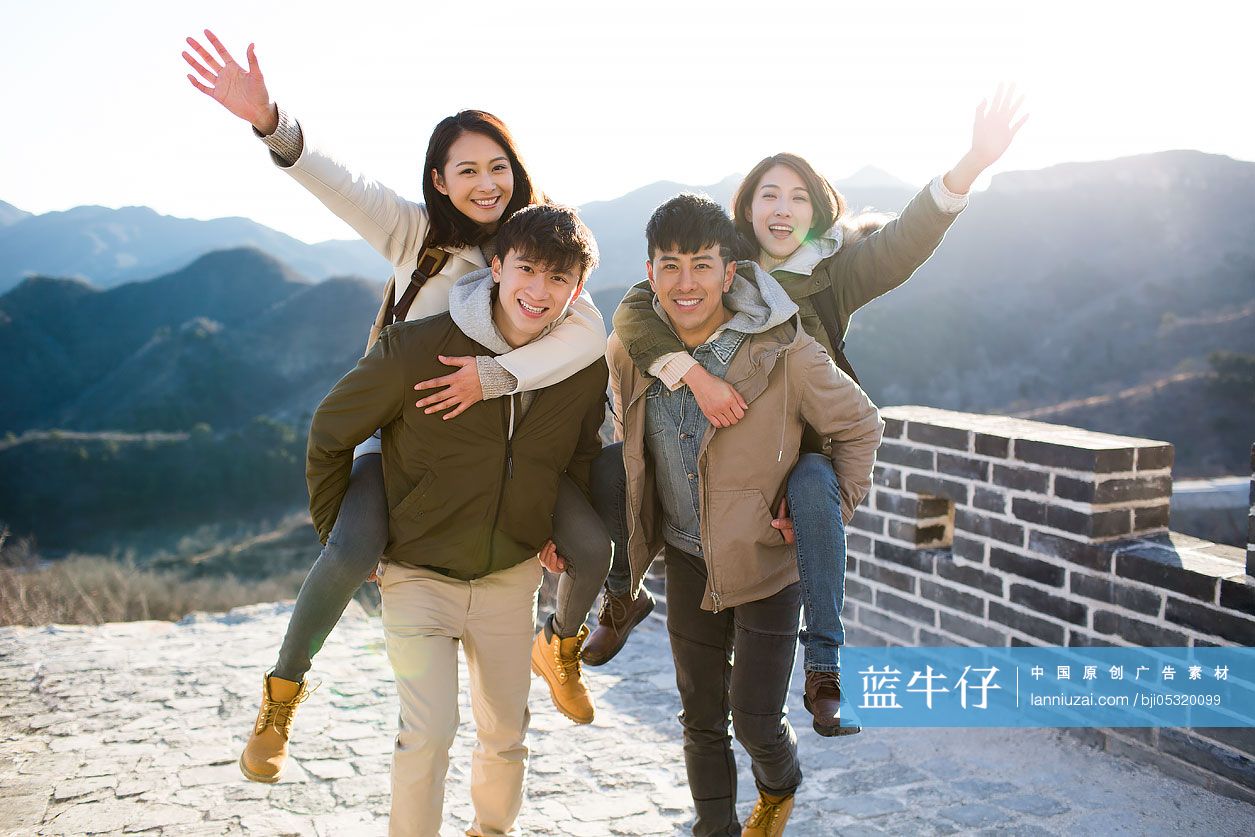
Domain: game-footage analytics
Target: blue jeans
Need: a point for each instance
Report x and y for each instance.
(814, 505)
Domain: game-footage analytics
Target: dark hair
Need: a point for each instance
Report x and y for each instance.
(827, 203)
(691, 223)
(449, 227)
(550, 234)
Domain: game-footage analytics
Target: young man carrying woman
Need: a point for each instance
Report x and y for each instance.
(831, 265)
(706, 495)
(471, 504)
(473, 179)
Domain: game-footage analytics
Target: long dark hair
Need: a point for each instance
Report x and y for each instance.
(449, 228)
(828, 204)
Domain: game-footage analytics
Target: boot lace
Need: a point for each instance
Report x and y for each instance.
(765, 815)
(614, 610)
(568, 665)
(827, 684)
(279, 713)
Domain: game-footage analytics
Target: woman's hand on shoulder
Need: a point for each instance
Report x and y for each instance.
(460, 389)
(718, 400)
(241, 91)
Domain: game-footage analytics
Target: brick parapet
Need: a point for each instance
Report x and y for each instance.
(983, 530)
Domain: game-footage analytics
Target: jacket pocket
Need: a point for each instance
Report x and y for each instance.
(410, 507)
(746, 550)
(743, 516)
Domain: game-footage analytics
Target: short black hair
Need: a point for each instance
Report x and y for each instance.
(691, 223)
(552, 235)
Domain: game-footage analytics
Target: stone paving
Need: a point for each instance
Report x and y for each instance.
(134, 729)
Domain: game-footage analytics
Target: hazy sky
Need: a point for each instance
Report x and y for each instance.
(602, 96)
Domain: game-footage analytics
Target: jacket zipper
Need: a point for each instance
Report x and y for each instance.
(509, 443)
(508, 474)
(715, 598)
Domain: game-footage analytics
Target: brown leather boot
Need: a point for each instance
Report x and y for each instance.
(267, 749)
(769, 816)
(615, 621)
(822, 698)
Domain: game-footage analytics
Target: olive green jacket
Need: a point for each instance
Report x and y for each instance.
(466, 497)
(875, 256)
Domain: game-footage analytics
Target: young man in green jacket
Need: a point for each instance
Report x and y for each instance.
(471, 504)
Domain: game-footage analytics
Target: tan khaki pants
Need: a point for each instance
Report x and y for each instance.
(425, 616)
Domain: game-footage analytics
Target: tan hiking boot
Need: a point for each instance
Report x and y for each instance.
(267, 749)
(615, 621)
(557, 660)
(769, 816)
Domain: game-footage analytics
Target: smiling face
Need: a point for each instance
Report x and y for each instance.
(530, 295)
(690, 288)
(781, 212)
(477, 178)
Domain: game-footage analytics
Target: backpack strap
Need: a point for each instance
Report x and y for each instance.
(431, 262)
(826, 308)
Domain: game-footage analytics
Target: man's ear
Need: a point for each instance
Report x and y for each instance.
(496, 269)
(729, 273)
(438, 182)
(649, 272)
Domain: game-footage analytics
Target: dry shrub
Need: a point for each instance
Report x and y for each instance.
(91, 590)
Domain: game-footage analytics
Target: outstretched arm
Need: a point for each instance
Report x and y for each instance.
(881, 261)
(389, 223)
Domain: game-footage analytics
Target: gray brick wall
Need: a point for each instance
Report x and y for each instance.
(984, 530)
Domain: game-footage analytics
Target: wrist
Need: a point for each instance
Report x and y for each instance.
(267, 120)
(959, 179)
(697, 374)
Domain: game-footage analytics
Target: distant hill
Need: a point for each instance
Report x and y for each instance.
(234, 335)
(110, 246)
(10, 214)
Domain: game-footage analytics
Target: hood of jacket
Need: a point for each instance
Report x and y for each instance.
(470, 304)
(845, 232)
(757, 301)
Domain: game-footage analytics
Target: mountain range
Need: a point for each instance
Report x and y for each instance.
(1095, 294)
(108, 247)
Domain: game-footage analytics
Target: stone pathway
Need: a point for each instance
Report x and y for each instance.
(135, 728)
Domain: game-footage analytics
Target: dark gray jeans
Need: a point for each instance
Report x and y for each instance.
(753, 692)
(358, 539)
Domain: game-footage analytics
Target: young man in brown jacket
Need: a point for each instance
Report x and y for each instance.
(471, 504)
(706, 496)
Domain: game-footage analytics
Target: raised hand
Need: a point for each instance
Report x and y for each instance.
(992, 131)
(995, 126)
(241, 91)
